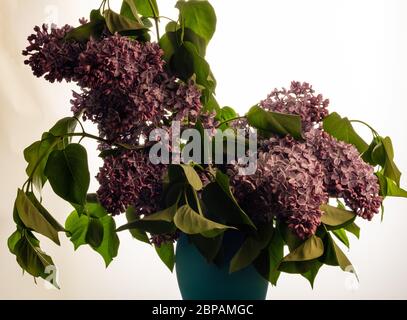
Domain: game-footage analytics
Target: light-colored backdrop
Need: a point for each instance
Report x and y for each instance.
(352, 51)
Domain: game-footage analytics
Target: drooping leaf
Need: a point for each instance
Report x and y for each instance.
(208, 247)
(31, 258)
(138, 234)
(191, 222)
(35, 217)
(129, 10)
(390, 169)
(274, 123)
(166, 254)
(185, 173)
(311, 274)
(354, 229)
(342, 236)
(84, 32)
(251, 248)
(225, 114)
(37, 153)
(334, 256)
(336, 218)
(289, 237)
(118, 23)
(198, 16)
(182, 63)
(13, 240)
(36, 156)
(146, 8)
(341, 129)
(389, 188)
(68, 173)
(220, 202)
(311, 249)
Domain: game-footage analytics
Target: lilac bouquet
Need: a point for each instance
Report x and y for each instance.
(314, 175)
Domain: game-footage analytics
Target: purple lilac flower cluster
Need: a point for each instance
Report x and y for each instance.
(130, 179)
(300, 99)
(347, 176)
(294, 178)
(50, 55)
(290, 180)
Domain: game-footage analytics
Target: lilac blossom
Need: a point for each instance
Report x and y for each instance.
(347, 176)
(301, 100)
(51, 55)
(130, 179)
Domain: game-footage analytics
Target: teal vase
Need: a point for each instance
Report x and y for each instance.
(200, 280)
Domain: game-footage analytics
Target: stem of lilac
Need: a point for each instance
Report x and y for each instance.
(156, 20)
(374, 132)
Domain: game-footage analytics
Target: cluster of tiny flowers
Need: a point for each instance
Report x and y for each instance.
(301, 100)
(49, 55)
(125, 88)
(294, 178)
(130, 179)
(160, 239)
(347, 176)
(288, 184)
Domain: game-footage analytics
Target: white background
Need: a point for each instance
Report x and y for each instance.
(354, 52)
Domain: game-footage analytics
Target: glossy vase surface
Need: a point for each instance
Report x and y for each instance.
(199, 280)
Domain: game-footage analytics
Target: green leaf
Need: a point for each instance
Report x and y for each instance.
(97, 229)
(302, 259)
(390, 169)
(94, 234)
(140, 235)
(198, 16)
(63, 127)
(31, 258)
(190, 222)
(341, 129)
(36, 156)
(37, 153)
(166, 254)
(354, 229)
(311, 274)
(118, 23)
(146, 8)
(13, 240)
(221, 203)
(182, 63)
(184, 173)
(129, 10)
(274, 122)
(84, 32)
(336, 218)
(341, 235)
(109, 247)
(208, 247)
(311, 249)
(68, 173)
(36, 217)
(251, 248)
(389, 188)
(167, 45)
(290, 238)
(163, 215)
(334, 256)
